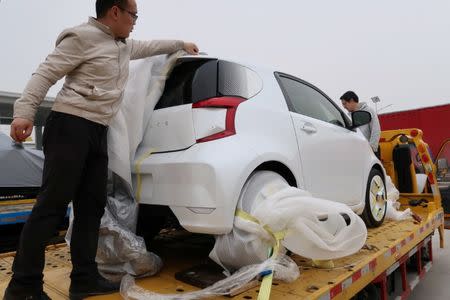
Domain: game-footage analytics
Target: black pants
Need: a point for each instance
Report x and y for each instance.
(75, 169)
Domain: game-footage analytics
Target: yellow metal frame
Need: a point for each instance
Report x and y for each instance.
(389, 139)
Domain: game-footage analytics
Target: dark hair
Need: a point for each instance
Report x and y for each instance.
(102, 6)
(350, 96)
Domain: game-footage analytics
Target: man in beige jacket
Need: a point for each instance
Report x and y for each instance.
(94, 57)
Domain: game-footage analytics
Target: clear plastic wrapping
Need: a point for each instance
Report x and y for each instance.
(315, 228)
(392, 209)
(285, 269)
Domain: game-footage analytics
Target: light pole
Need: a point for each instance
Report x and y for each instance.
(375, 100)
(384, 107)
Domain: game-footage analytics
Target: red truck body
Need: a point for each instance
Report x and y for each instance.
(434, 122)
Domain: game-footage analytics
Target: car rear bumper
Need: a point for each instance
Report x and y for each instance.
(200, 184)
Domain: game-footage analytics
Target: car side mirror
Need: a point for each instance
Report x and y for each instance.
(442, 163)
(360, 118)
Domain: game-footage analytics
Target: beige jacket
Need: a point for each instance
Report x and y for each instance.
(96, 70)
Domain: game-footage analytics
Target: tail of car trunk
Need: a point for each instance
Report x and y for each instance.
(199, 103)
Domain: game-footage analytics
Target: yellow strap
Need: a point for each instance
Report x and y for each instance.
(277, 236)
(323, 264)
(246, 216)
(265, 288)
(266, 284)
(138, 172)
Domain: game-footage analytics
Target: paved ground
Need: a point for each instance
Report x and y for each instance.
(436, 284)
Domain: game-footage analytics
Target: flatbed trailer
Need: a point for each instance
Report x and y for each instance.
(15, 211)
(395, 247)
(13, 215)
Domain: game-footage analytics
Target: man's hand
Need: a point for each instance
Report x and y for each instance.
(190, 48)
(21, 129)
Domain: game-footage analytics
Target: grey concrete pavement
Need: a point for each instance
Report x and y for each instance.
(436, 284)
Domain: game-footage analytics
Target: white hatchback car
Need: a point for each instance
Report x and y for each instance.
(218, 122)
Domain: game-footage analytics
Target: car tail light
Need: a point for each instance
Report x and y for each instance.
(230, 104)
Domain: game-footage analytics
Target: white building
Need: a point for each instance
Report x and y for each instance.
(7, 100)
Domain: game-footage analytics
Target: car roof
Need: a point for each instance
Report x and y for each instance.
(195, 57)
(203, 56)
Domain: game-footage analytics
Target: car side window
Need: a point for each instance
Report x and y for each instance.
(308, 101)
(416, 160)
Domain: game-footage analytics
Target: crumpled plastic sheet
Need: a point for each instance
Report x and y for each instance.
(120, 251)
(392, 209)
(285, 269)
(316, 228)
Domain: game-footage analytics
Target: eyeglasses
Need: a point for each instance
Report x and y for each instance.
(132, 14)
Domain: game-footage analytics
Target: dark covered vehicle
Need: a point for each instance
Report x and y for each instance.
(20, 170)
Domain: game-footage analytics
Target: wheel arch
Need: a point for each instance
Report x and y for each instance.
(279, 168)
(380, 168)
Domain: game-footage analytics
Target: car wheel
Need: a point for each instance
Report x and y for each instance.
(375, 202)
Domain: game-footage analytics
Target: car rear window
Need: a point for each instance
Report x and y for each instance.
(238, 80)
(198, 80)
(190, 82)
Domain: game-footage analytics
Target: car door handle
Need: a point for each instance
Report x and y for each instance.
(309, 128)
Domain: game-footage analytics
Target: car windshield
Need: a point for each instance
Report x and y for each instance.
(442, 162)
(416, 160)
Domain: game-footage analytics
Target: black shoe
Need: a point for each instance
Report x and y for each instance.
(80, 289)
(38, 296)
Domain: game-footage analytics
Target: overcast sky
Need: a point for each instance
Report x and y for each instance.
(398, 50)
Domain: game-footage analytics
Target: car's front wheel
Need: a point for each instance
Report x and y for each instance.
(375, 202)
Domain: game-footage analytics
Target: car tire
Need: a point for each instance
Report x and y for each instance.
(375, 200)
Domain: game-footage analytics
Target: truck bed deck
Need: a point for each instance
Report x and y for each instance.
(385, 249)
